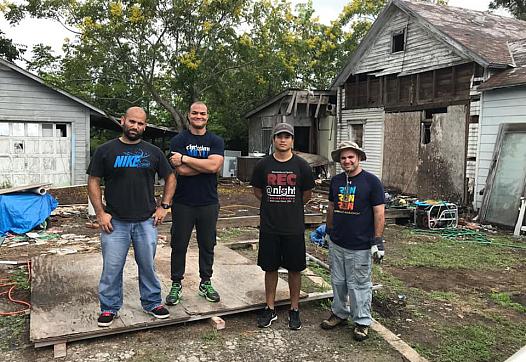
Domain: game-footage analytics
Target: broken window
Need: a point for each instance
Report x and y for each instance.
(356, 132)
(61, 130)
(47, 130)
(18, 146)
(398, 41)
(425, 131)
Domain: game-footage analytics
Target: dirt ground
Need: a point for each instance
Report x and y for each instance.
(430, 290)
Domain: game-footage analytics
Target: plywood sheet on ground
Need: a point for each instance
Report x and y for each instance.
(65, 303)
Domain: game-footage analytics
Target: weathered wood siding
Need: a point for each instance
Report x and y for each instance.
(497, 106)
(24, 100)
(373, 134)
(422, 50)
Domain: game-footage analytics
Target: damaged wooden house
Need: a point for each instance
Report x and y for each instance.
(409, 96)
(311, 112)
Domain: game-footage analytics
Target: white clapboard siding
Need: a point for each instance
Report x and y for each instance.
(373, 136)
(422, 50)
(23, 99)
(472, 141)
(507, 105)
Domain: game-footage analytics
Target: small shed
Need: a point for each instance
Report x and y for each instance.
(312, 113)
(501, 155)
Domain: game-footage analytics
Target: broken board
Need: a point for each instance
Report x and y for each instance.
(65, 303)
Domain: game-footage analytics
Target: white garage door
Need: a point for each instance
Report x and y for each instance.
(35, 153)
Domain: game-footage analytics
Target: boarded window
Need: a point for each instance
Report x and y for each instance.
(356, 132)
(398, 41)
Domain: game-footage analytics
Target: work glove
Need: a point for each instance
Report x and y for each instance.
(377, 250)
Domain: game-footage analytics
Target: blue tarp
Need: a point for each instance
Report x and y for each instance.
(21, 212)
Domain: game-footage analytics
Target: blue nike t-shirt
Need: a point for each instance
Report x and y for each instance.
(128, 171)
(201, 189)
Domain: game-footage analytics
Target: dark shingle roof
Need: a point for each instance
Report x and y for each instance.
(513, 76)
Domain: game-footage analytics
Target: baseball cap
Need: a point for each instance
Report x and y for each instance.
(283, 128)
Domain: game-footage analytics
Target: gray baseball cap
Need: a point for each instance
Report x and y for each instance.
(283, 128)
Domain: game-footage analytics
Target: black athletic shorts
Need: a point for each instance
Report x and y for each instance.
(287, 251)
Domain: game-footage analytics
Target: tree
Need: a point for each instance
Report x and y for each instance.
(516, 7)
(8, 49)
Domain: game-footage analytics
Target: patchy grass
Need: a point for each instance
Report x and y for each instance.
(442, 253)
(212, 336)
(443, 296)
(504, 299)
(12, 330)
(228, 235)
(20, 277)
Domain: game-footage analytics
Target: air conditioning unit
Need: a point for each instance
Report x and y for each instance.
(331, 108)
(229, 167)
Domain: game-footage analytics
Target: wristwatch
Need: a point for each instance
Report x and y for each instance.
(165, 206)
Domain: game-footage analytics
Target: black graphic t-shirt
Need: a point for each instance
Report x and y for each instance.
(282, 183)
(128, 171)
(354, 198)
(201, 189)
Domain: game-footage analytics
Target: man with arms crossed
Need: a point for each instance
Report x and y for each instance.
(355, 225)
(283, 182)
(128, 166)
(197, 156)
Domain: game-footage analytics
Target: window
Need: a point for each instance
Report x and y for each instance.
(356, 132)
(266, 139)
(398, 41)
(425, 131)
(4, 129)
(61, 130)
(47, 130)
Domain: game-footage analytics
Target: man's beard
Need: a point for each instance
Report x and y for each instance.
(132, 137)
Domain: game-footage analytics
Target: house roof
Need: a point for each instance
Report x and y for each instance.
(476, 35)
(155, 131)
(510, 77)
(287, 92)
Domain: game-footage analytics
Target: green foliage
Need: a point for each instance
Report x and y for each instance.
(443, 296)
(504, 299)
(516, 7)
(9, 50)
(20, 277)
(212, 336)
(12, 329)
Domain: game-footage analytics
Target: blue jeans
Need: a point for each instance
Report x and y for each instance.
(115, 248)
(351, 278)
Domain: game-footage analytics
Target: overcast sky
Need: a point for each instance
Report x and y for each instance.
(34, 31)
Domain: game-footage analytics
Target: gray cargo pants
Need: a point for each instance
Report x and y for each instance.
(351, 278)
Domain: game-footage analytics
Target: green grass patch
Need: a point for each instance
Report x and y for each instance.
(232, 234)
(504, 299)
(447, 254)
(20, 277)
(12, 329)
(443, 296)
(212, 336)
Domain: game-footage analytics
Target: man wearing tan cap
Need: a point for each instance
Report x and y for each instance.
(283, 183)
(355, 225)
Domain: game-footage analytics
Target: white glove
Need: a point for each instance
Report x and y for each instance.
(377, 254)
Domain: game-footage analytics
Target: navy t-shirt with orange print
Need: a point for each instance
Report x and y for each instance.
(354, 198)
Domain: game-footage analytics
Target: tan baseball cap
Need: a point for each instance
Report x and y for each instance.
(335, 155)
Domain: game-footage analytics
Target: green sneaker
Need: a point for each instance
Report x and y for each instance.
(175, 294)
(207, 290)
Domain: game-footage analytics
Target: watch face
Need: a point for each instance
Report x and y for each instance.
(165, 206)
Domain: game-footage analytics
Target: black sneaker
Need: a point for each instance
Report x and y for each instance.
(207, 291)
(159, 312)
(106, 319)
(294, 319)
(266, 317)
(174, 297)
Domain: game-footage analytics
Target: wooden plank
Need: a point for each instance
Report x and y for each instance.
(397, 343)
(65, 300)
(59, 350)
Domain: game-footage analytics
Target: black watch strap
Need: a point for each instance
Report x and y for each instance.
(165, 206)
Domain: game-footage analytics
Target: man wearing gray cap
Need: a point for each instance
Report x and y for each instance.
(355, 226)
(283, 182)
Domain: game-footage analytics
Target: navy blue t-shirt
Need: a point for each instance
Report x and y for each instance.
(129, 172)
(198, 190)
(354, 198)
